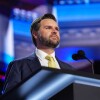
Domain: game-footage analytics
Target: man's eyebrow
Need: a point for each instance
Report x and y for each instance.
(51, 26)
(47, 25)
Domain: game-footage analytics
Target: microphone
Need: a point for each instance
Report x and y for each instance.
(81, 55)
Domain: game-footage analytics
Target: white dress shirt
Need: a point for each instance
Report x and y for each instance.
(44, 62)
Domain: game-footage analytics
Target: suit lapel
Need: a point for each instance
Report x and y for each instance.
(34, 63)
(62, 65)
(59, 62)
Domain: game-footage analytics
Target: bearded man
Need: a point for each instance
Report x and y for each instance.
(46, 37)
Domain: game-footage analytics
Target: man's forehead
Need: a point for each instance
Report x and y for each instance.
(48, 22)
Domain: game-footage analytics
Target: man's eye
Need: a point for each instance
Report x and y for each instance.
(57, 29)
(48, 27)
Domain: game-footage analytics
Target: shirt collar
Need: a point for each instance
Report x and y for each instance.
(41, 54)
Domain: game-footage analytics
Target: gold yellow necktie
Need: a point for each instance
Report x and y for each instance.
(51, 62)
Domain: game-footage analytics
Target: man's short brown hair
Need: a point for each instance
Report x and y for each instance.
(36, 24)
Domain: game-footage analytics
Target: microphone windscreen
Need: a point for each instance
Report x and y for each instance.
(81, 53)
(75, 57)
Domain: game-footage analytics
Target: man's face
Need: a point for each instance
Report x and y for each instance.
(48, 33)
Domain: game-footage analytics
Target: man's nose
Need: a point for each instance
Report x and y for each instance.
(54, 31)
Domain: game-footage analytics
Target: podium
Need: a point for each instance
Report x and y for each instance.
(55, 84)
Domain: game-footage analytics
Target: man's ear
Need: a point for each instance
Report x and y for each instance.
(35, 35)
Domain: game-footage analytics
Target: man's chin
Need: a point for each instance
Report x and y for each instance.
(54, 40)
(53, 44)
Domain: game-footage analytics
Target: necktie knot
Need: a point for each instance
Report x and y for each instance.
(51, 62)
(48, 57)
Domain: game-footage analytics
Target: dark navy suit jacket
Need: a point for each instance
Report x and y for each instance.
(21, 69)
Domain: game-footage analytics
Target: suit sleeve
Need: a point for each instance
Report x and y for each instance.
(13, 76)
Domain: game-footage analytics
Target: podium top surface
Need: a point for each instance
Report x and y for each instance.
(47, 82)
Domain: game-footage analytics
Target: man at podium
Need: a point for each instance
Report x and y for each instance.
(46, 37)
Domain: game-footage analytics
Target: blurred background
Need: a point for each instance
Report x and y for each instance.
(79, 22)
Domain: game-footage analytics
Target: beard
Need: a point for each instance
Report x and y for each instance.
(52, 43)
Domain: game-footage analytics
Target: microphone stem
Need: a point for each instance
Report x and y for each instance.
(91, 64)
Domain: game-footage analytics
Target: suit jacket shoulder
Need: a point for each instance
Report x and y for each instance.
(20, 69)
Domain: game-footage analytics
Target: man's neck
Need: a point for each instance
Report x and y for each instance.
(46, 49)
